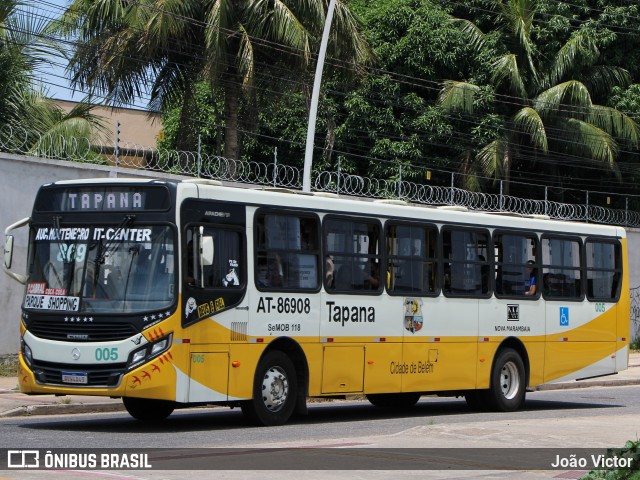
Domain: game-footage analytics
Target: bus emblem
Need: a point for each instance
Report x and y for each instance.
(513, 312)
(413, 315)
(75, 354)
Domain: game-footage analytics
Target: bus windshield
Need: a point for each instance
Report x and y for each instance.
(101, 269)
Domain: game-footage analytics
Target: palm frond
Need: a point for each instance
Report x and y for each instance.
(600, 79)
(276, 21)
(491, 158)
(347, 39)
(458, 96)
(246, 59)
(505, 70)
(474, 35)
(529, 121)
(518, 16)
(595, 143)
(616, 123)
(580, 48)
(572, 98)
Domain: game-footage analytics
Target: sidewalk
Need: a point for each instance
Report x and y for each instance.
(15, 404)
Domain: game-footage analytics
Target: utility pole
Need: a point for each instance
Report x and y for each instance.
(313, 111)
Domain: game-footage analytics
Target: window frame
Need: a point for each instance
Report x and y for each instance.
(381, 256)
(285, 212)
(488, 263)
(580, 268)
(195, 291)
(537, 265)
(436, 258)
(617, 244)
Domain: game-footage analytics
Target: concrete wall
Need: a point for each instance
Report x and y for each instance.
(136, 126)
(22, 176)
(633, 235)
(19, 181)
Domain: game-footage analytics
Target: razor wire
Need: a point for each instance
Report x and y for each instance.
(18, 140)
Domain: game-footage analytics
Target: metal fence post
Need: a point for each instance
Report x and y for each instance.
(275, 166)
(546, 200)
(501, 198)
(587, 205)
(117, 152)
(339, 175)
(452, 183)
(199, 155)
(626, 211)
(400, 182)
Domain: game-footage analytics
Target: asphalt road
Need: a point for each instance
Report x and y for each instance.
(563, 418)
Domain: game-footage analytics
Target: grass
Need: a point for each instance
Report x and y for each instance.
(9, 367)
(631, 450)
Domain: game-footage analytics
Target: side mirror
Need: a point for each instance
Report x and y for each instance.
(206, 251)
(8, 251)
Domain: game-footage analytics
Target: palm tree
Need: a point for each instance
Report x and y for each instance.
(170, 46)
(550, 104)
(28, 120)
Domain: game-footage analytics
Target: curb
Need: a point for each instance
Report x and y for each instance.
(63, 409)
(579, 384)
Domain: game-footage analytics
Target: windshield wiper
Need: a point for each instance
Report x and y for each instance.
(109, 247)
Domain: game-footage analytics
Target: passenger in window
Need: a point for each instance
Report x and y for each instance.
(371, 276)
(274, 271)
(530, 284)
(329, 270)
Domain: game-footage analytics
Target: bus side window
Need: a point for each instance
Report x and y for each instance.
(214, 258)
(352, 244)
(287, 251)
(604, 270)
(561, 264)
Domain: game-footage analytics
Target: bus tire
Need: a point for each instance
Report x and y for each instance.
(394, 400)
(508, 382)
(274, 391)
(147, 409)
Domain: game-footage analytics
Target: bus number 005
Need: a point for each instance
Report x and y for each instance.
(106, 354)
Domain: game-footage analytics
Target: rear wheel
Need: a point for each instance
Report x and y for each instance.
(508, 382)
(394, 400)
(146, 409)
(274, 391)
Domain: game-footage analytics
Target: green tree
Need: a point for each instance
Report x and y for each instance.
(171, 46)
(392, 117)
(547, 102)
(28, 120)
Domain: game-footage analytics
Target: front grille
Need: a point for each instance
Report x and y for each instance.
(82, 332)
(98, 375)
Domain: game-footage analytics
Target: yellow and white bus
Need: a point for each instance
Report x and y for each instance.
(173, 294)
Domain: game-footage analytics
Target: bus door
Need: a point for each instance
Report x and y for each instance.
(214, 304)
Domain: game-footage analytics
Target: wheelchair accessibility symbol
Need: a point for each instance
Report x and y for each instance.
(564, 316)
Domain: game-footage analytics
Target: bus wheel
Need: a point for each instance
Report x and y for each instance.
(394, 400)
(507, 382)
(146, 409)
(274, 391)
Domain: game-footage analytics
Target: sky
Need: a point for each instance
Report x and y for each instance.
(54, 78)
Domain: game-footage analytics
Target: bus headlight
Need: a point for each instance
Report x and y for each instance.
(26, 352)
(159, 347)
(149, 351)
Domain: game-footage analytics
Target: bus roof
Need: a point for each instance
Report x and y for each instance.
(327, 202)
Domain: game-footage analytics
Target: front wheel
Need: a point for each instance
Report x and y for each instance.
(508, 382)
(274, 391)
(148, 410)
(394, 400)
